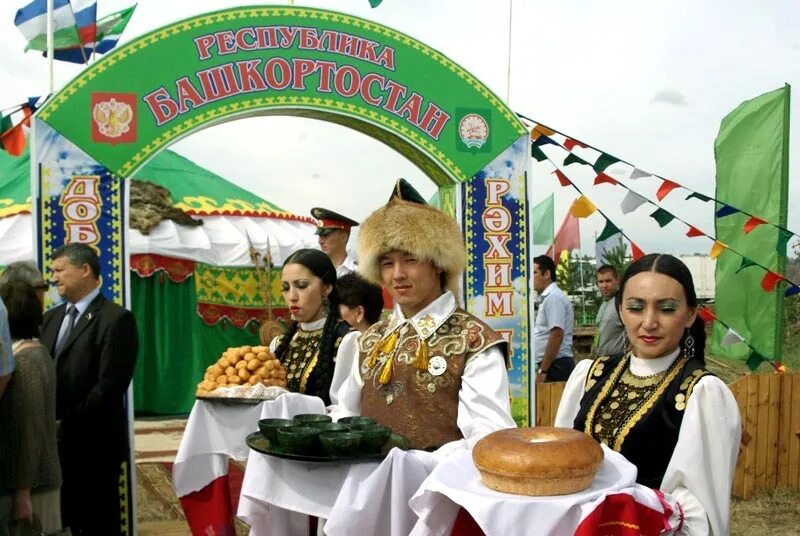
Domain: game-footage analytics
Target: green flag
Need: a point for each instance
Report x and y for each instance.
(542, 221)
(375, 3)
(752, 153)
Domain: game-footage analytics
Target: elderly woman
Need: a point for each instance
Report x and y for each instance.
(30, 476)
(657, 404)
(308, 351)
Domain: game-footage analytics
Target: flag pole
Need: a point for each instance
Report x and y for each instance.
(50, 42)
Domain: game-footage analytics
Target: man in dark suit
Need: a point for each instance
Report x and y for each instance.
(94, 342)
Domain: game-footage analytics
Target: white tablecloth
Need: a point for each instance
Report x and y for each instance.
(216, 431)
(456, 483)
(355, 498)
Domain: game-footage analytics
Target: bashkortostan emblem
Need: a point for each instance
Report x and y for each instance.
(474, 130)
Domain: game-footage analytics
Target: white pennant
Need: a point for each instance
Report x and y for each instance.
(631, 202)
(730, 338)
(638, 174)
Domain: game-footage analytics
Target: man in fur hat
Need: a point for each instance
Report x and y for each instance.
(431, 371)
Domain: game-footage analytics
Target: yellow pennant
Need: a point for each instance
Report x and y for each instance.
(717, 249)
(582, 207)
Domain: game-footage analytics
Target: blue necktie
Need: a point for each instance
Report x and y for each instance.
(72, 315)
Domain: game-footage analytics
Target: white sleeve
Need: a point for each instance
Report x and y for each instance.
(346, 359)
(348, 394)
(274, 343)
(573, 393)
(484, 399)
(700, 474)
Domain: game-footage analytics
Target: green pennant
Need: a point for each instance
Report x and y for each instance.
(784, 235)
(573, 159)
(745, 263)
(6, 124)
(755, 360)
(608, 231)
(662, 217)
(538, 154)
(604, 161)
(696, 195)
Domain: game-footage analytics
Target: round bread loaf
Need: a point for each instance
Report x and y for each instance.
(538, 461)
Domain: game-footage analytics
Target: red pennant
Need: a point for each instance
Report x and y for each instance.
(752, 223)
(602, 177)
(666, 187)
(706, 315)
(694, 231)
(636, 252)
(770, 280)
(570, 144)
(562, 178)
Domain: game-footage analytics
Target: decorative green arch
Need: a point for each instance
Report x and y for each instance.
(290, 61)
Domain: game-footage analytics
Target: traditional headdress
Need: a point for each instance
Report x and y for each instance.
(407, 223)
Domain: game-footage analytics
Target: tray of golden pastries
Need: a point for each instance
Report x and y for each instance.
(314, 438)
(243, 375)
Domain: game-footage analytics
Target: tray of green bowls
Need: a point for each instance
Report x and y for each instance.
(314, 438)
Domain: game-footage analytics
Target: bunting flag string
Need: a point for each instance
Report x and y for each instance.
(611, 230)
(633, 200)
(606, 160)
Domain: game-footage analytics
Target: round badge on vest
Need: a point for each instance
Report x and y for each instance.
(437, 365)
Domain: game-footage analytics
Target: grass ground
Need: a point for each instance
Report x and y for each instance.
(772, 513)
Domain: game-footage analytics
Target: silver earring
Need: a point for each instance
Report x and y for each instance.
(688, 346)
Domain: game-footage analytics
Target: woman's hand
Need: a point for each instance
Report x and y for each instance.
(23, 509)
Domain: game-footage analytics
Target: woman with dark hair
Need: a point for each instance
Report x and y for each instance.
(657, 404)
(360, 302)
(308, 351)
(30, 475)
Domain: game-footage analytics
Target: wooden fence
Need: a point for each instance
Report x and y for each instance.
(769, 456)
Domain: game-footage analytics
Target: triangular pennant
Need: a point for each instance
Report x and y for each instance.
(784, 235)
(717, 249)
(540, 130)
(666, 187)
(582, 207)
(538, 154)
(603, 161)
(730, 338)
(755, 360)
(562, 179)
(570, 144)
(752, 223)
(706, 315)
(544, 140)
(635, 251)
(694, 231)
(699, 196)
(638, 174)
(608, 231)
(631, 202)
(770, 280)
(791, 291)
(574, 159)
(745, 263)
(662, 217)
(726, 210)
(603, 178)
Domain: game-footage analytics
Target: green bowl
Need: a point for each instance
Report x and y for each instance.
(306, 419)
(330, 427)
(298, 439)
(373, 437)
(340, 443)
(356, 421)
(269, 427)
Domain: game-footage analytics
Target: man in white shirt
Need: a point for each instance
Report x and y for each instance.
(333, 231)
(552, 329)
(431, 371)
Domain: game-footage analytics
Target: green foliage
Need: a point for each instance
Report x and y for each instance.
(618, 257)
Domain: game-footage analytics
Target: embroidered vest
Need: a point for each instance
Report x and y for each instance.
(638, 417)
(422, 405)
(305, 372)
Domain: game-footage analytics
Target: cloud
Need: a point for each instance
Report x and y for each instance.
(670, 96)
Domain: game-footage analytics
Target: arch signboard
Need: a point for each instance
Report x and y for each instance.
(287, 60)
